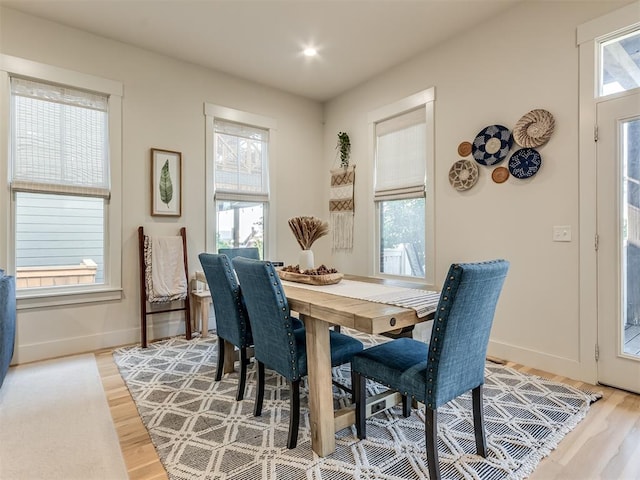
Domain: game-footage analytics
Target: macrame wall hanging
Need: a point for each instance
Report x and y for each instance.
(341, 207)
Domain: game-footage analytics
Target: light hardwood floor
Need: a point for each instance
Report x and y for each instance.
(605, 445)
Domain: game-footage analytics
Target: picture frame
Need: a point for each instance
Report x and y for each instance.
(166, 183)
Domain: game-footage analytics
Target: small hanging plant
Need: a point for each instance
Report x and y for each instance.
(344, 147)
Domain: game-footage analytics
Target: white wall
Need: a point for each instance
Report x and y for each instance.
(525, 58)
(162, 108)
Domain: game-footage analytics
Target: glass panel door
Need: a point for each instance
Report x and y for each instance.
(618, 254)
(631, 235)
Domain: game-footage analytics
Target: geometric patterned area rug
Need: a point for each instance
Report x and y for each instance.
(201, 432)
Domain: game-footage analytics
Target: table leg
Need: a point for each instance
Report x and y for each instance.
(229, 357)
(204, 317)
(193, 312)
(323, 440)
(195, 316)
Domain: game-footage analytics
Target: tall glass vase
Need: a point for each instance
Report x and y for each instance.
(306, 260)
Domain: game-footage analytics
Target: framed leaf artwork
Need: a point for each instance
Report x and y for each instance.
(166, 183)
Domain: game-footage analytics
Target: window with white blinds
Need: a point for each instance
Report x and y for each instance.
(63, 164)
(238, 145)
(60, 140)
(401, 155)
(241, 153)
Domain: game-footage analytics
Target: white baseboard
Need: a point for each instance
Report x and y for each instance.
(60, 347)
(32, 352)
(565, 367)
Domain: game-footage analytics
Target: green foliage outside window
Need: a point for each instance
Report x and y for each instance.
(402, 221)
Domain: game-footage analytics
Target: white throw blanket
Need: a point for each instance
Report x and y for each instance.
(165, 275)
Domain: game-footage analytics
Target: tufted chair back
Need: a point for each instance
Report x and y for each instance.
(461, 329)
(232, 322)
(246, 252)
(272, 325)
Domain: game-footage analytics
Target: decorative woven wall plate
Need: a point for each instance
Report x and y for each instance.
(534, 129)
(492, 144)
(500, 174)
(464, 149)
(525, 163)
(463, 175)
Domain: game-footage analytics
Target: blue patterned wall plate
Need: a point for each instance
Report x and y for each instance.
(525, 163)
(492, 144)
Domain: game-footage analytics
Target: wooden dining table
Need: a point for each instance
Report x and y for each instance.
(319, 311)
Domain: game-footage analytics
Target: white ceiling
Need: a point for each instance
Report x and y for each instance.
(262, 40)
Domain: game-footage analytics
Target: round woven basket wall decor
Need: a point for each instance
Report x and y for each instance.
(525, 163)
(534, 129)
(500, 174)
(464, 149)
(492, 144)
(463, 175)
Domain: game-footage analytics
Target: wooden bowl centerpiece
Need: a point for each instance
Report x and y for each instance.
(317, 276)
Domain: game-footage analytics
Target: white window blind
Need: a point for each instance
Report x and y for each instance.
(401, 156)
(241, 153)
(60, 140)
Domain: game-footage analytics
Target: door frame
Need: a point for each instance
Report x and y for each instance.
(588, 36)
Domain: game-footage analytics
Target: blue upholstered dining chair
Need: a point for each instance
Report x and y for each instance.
(277, 345)
(232, 322)
(246, 252)
(451, 364)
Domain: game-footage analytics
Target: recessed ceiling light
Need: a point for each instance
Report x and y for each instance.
(310, 52)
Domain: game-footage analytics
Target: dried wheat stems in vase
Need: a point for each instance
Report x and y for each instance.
(307, 230)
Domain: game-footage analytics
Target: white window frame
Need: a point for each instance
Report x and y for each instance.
(211, 112)
(111, 289)
(425, 98)
(589, 36)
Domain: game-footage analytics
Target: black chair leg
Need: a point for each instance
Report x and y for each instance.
(220, 359)
(478, 421)
(360, 399)
(354, 381)
(406, 406)
(431, 437)
(257, 408)
(294, 413)
(242, 380)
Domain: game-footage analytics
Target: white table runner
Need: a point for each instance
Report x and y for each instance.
(423, 302)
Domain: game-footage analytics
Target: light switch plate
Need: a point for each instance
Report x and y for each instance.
(562, 233)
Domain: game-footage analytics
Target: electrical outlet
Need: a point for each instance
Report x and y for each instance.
(562, 233)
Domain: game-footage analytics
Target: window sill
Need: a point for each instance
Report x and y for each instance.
(40, 299)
